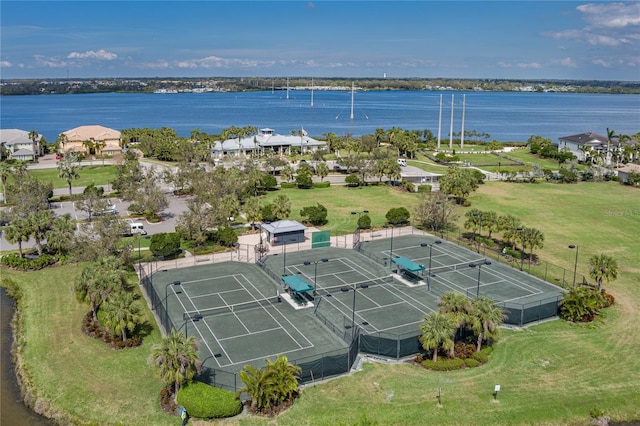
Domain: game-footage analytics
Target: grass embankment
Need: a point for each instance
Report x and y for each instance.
(552, 373)
(78, 375)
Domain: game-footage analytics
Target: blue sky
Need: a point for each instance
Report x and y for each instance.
(430, 39)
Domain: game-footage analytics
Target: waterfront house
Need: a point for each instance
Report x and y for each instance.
(264, 142)
(16, 143)
(586, 145)
(85, 139)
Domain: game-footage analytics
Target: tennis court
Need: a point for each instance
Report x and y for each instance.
(235, 313)
(353, 301)
(448, 268)
(347, 279)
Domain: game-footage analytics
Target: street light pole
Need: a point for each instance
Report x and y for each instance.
(479, 265)
(521, 231)
(358, 227)
(353, 308)
(315, 272)
(166, 300)
(146, 237)
(430, 249)
(195, 318)
(575, 265)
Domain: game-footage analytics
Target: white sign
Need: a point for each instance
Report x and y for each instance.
(497, 389)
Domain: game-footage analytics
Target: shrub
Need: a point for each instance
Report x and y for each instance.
(352, 180)
(325, 184)
(464, 350)
(482, 357)
(14, 260)
(471, 363)
(207, 402)
(444, 364)
(165, 244)
(422, 189)
(284, 185)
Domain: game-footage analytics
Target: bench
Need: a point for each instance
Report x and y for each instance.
(308, 296)
(298, 298)
(411, 276)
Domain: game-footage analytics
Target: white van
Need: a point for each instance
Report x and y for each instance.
(135, 228)
(402, 162)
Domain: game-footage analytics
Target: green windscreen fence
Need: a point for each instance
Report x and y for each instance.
(320, 239)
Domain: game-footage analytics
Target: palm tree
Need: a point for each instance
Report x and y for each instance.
(98, 281)
(67, 170)
(322, 170)
(611, 134)
(99, 146)
(284, 377)
(603, 267)
(458, 307)
(17, 232)
(122, 313)
(581, 304)
(486, 318)
(89, 146)
(33, 136)
(5, 172)
(175, 359)
(60, 236)
(436, 330)
(258, 384)
(281, 207)
(39, 223)
(532, 238)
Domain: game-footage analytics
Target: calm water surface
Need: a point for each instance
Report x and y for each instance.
(505, 116)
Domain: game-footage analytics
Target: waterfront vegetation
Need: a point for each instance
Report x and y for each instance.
(550, 373)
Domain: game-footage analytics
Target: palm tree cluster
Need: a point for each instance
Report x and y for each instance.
(104, 286)
(175, 359)
(273, 387)
(457, 313)
(510, 226)
(585, 302)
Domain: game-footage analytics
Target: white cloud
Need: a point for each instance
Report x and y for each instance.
(157, 65)
(611, 15)
(50, 62)
(5, 64)
(90, 54)
(602, 63)
(566, 62)
(534, 65)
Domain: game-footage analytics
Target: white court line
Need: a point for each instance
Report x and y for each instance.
(277, 321)
(354, 266)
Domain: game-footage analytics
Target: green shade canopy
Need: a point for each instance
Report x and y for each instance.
(407, 264)
(297, 284)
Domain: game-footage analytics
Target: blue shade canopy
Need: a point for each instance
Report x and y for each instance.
(297, 284)
(407, 264)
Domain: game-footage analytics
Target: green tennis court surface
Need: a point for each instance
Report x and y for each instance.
(242, 313)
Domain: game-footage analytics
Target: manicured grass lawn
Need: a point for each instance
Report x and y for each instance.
(77, 374)
(98, 175)
(340, 201)
(551, 373)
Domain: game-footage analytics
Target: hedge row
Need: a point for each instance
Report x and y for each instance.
(207, 402)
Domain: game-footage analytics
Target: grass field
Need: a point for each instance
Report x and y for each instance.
(340, 201)
(98, 175)
(552, 373)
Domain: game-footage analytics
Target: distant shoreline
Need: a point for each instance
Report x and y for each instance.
(236, 84)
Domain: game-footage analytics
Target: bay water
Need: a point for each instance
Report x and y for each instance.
(504, 116)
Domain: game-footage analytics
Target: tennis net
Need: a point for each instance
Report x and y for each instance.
(238, 307)
(455, 267)
(360, 284)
